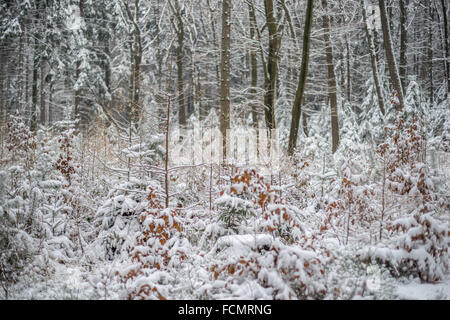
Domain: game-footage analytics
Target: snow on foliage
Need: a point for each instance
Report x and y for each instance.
(419, 241)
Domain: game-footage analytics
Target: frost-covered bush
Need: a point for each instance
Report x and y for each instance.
(249, 204)
(149, 150)
(17, 249)
(418, 242)
(371, 120)
(419, 248)
(52, 205)
(117, 219)
(16, 244)
(20, 143)
(260, 267)
(297, 173)
(352, 211)
(21, 196)
(236, 201)
(73, 192)
(159, 250)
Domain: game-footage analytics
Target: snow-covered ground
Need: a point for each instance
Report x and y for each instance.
(75, 282)
(416, 290)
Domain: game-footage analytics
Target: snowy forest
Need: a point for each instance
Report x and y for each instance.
(219, 149)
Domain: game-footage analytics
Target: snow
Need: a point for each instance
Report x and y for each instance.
(241, 245)
(424, 291)
(83, 213)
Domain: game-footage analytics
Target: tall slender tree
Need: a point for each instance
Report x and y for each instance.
(403, 43)
(297, 106)
(272, 63)
(393, 72)
(225, 74)
(253, 64)
(373, 60)
(332, 96)
(179, 27)
(446, 44)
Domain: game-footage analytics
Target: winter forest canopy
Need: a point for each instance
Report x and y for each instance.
(105, 106)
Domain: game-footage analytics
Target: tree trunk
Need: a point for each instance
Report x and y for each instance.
(136, 60)
(137, 64)
(159, 56)
(390, 56)
(43, 115)
(34, 90)
(331, 80)
(27, 74)
(180, 80)
(107, 65)
(272, 65)
(76, 111)
(446, 45)
(430, 54)
(51, 111)
(297, 106)
(225, 74)
(304, 118)
(43, 66)
(253, 66)
(373, 61)
(403, 41)
(349, 84)
(20, 76)
(3, 85)
(215, 44)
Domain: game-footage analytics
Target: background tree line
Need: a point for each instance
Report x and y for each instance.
(265, 62)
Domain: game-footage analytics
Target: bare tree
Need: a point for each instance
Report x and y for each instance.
(393, 72)
(373, 60)
(446, 45)
(403, 41)
(179, 28)
(253, 64)
(225, 73)
(274, 29)
(297, 107)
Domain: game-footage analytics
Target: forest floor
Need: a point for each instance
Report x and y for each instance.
(424, 291)
(81, 282)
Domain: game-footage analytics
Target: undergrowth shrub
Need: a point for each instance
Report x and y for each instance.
(117, 219)
(159, 250)
(249, 199)
(418, 243)
(353, 211)
(270, 268)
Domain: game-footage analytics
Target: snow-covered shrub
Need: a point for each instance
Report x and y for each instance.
(53, 207)
(118, 218)
(260, 267)
(418, 248)
(236, 201)
(16, 250)
(371, 120)
(20, 219)
(159, 249)
(300, 191)
(149, 150)
(415, 106)
(249, 198)
(20, 143)
(405, 150)
(73, 188)
(65, 163)
(419, 238)
(282, 221)
(353, 210)
(73, 192)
